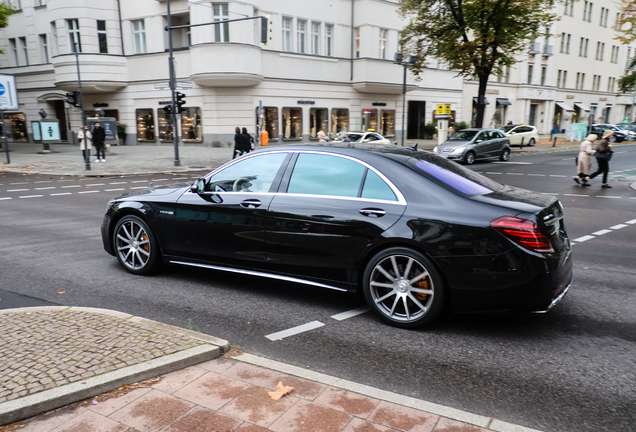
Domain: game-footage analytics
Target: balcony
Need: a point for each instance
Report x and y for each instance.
(548, 50)
(535, 48)
(100, 73)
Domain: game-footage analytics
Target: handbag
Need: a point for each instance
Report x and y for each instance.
(604, 156)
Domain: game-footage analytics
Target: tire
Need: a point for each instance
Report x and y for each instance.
(469, 159)
(531, 142)
(135, 245)
(505, 155)
(412, 299)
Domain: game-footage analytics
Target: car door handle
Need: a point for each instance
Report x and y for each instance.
(251, 203)
(375, 212)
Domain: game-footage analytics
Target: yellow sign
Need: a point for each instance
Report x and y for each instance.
(443, 109)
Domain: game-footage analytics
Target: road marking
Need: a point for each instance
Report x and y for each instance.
(45, 188)
(537, 175)
(118, 183)
(631, 222)
(6, 198)
(44, 181)
(576, 195)
(113, 190)
(180, 178)
(92, 191)
(294, 331)
(514, 173)
(140, 187)
(607, 196)
(515, 163)
(140, 181)
(493, 173)
(63, 193)
(95, 184)
(350, 314)
(601, 232)
(155, 180)
(17, 190)
(64, 187)
(584, 238)
(617, 227)
(19, 183)
(31, 196)
(549, 193)
(557, 175)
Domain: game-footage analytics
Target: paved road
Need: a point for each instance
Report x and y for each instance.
(571, 369)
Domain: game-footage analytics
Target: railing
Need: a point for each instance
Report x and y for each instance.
(548, 50)
(535, 47)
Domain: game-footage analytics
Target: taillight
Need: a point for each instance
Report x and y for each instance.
(524, 233)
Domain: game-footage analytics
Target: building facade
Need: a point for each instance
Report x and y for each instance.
(329, 66)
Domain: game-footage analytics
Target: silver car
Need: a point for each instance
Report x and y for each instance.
(468, 145)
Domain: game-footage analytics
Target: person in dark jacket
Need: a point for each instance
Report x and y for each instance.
(99, 136)
(237, 143)
(246, 141)
(603, 155)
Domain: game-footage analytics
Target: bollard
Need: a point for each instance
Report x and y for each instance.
(522, 138)
(554, 142)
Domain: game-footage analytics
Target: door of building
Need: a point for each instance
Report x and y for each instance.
(416, 120)
(60, 114)
(532, 119)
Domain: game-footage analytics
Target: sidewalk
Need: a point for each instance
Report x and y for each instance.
(69, 369)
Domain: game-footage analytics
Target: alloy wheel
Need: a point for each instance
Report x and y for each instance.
(134, 245)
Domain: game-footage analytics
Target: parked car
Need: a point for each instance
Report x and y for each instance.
(363, 137)
(468, 145)
(627, 126)
(518, 133)
(619, 135)
(409, 229)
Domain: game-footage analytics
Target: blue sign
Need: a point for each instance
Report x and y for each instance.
(1, 89)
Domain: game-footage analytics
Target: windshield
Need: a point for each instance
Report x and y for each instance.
(507, 127)
(463, 135)
(353, 137)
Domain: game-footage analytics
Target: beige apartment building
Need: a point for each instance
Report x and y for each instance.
(329, 66)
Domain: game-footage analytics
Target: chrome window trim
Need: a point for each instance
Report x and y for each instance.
(260, 274)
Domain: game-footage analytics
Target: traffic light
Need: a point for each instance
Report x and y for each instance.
(180, 102)
(168, 109)
(266, 29)
(73, 98)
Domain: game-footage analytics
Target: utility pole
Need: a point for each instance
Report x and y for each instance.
(87, 161)
(175, 113)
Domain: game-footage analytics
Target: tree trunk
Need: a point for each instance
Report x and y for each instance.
(481, 101)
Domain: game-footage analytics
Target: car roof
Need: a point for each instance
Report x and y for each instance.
(348, 148)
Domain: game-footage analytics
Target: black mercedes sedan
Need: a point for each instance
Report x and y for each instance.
(408, 229)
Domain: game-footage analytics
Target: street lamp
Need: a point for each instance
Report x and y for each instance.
(412, 60)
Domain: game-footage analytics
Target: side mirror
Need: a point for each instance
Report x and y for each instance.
(478, 141)
(198, 186)
(512, 133)
(365, 140)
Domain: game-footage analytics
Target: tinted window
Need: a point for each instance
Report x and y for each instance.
(463, 135)
(376, 188)
(483, 136)
(326, 175)
(253, 174)
(507, 128)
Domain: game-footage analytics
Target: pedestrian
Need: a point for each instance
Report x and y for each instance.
(509, 122)
(321, 136)
(237, 142)
(584, 160)
(247, 141)
(603, 156)
(84, 136)
(99, 136)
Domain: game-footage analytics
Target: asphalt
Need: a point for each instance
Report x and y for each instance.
(70, 369)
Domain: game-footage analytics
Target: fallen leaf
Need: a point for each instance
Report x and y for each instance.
(61, 292)
(281, 390)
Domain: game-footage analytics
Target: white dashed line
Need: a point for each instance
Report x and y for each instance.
(180, 178)
(294, 331)
(140, 187)
(631, 222)
(608, 196)
(17, 190)
(584, 238)
(515, 163)
(62, 193)
(549, 193)
(46, 188)
(44, 181)
(350, 314)
(74, 186)
(6, 198)
(95, 184)
(156, 180)
(140, 181)
(514, 173)
(537, 175)
(114, 183)
(493, 173)
(576, 195)
(617, 227)
(601, 232)
(31, 196)
(19, 183)
(556, 175)
(113, 190)
(85, 192)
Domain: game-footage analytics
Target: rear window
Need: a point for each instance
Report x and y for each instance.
(455, 176)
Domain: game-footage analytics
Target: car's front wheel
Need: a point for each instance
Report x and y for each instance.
(469, 159)
(135, 245)
(403, 287)
(505, 155)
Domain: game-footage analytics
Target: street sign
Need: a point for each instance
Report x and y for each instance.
(443, 109)
(8, 93)
(163, 85)
(165, 102)
(166, 85)
(184, 85)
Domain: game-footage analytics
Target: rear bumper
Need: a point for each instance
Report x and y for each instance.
(556, 300)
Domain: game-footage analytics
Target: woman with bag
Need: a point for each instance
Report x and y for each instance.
(238, 143)
(584, 162)
(603, 156)
(85, 144)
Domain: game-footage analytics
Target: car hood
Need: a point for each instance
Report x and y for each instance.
(517, 199)
(455, 143)
(158, 190)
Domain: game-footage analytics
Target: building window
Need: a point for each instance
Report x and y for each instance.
(191, 125)
(382, 54)
(270, 121)
(287, 40)
(301, 36)
(587, 42)
(318, 121)
(565, 75)
(25, 50)
(357, 42)
(587, 11)
(221, 31)
(600, 47)
(595, 80)
(44, 48)
(292, 123)
(74, 35)
(18, 127)
(581, 45)
(562, 43)
(530, 71)
(604, 15)
(370, 119)
(17, 5)
(139, 36)
(567, 44)
(166, 127)
(145, 124)
(329, 40)
(101, 36)
(387, 125)
(339, 121)
(558, 84)
(543, 72)
(507, 80)
(315, 38)
(569, 8)
(39, 3)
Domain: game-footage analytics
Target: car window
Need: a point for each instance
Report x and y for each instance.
(483, 136)
(319, 174)
(463, 135)
(497, 134)
(376, 188)
(456, 176)
(252, 174)
(355, 137)
(507, 128)
(373, 137)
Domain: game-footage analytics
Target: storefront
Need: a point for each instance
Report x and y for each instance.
(145, 125)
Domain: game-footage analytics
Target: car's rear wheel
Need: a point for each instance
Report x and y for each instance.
(505, 155)
(403, 288)
(469, 159)
(531, 142)
(135, 245)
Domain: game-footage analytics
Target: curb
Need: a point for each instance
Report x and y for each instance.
(47, 400)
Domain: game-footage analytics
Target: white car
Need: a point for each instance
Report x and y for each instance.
(363, 137)
(517, 133)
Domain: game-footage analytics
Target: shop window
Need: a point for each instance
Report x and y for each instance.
(451, 120)
(369, 119)
(339, 121)
(145, 124)
(166, 128)
(191, 125)
(270, 122)
(107, 113)
(318, 121)
(387, 127)
(18, 125)
(292, 123)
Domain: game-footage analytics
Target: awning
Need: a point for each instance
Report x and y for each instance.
(580, 106)
(503, 101)
(485, 100)
(564, 106)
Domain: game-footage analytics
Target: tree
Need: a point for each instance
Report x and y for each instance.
(5, 11)
(626, 26)
(475, 37)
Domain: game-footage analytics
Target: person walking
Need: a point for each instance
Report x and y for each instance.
(603, 156)
(584, 163)
(322, 137)
(84, 136)
(247, 141)
(237, 142)
(99, 136)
